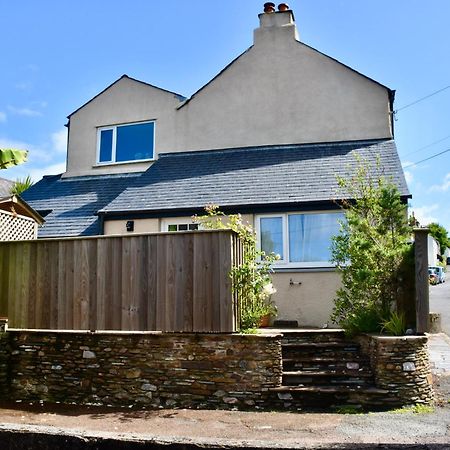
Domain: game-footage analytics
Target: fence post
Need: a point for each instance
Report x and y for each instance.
(422, 284)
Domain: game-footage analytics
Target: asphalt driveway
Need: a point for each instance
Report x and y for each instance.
(440, 302)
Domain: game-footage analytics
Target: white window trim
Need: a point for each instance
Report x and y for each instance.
(176, 221)
(285, 263)
(114, 141)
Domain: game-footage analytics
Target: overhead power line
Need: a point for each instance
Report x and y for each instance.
(427, 146)
(422, 99)
(427, 159)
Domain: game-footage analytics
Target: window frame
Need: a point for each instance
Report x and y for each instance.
(114, 144)
(165, 222)
(285, 262)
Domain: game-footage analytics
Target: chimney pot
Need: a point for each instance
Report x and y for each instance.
(283, 7)
(269, 7)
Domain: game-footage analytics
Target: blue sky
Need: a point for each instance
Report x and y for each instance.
(57, 55)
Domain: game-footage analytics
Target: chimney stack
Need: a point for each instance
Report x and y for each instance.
(276, 24)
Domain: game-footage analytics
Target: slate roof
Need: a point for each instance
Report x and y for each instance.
(292, 175)
(288, 174)
(69, 205)
(5, 187)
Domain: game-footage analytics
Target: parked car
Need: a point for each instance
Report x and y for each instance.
(432, 276)
(439, 271)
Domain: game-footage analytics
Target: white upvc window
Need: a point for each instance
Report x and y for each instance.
(130, 142)
(179, 224)
(300, 239)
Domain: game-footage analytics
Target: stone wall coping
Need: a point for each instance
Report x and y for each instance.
(378, 337)
(142, 333)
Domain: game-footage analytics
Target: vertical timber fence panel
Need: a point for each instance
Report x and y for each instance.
(172, 282)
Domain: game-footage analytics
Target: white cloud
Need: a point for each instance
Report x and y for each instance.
(23, 86)
(409, 177)
(2, 116)
(35, 154)
(28, 112)
(443, 187)
(59, 140)
(54, 169)
(424, 214)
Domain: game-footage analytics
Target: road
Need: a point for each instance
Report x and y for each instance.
(440, 302)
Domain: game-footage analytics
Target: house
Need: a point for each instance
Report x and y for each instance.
(18, 220)
(267, 138)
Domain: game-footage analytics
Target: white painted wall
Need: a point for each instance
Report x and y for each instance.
(433, 251)
(279, 92)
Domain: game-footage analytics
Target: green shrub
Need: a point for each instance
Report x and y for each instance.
(369, 252)
(395, 325)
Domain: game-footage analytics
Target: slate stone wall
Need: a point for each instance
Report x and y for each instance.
(148, 369)
(401, 365)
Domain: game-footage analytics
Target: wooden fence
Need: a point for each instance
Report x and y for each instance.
(177, 282)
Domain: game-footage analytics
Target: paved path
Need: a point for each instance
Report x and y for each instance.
(440, 302)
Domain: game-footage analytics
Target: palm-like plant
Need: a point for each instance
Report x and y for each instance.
(11, 157)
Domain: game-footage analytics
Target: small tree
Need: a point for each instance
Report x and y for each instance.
(441, 235)
(369, 252)
(251, 279)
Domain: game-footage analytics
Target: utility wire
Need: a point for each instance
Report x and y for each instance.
(427, 146)
(427, 159)
(422, 99)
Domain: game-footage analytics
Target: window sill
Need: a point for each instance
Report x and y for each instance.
(303, 269)
(122, 163)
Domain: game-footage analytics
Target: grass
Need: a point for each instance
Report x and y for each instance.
(418, 408)
(348, 410)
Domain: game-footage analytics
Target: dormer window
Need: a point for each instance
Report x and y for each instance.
(126, 143)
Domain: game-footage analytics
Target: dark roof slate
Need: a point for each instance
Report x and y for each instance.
(74, 202)
(5, 187)
(295, 174)
(245, 177)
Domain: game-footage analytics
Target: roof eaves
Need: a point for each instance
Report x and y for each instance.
(180, 97)
(25, 206)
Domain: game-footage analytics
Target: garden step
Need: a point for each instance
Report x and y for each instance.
(330, 389)
(321, 379)
(316, 360)
(324, 398)
(319, 345)
(334, 366)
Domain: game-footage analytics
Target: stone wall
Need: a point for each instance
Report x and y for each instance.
(400, 365)
(148, 369)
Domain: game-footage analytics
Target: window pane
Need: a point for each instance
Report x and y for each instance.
(172, 228)
(193, 226)
(183, 227)
(272, 235)
(310, 236)
(134, 142)
(106, 138)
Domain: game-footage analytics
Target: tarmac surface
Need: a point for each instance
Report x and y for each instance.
(440, 302)
(26, 426)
